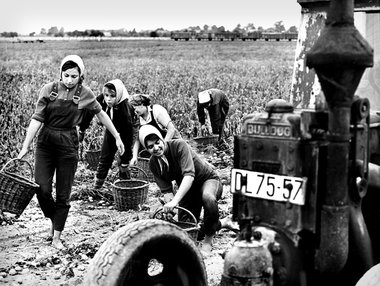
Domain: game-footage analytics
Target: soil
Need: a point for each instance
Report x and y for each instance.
(27, 258)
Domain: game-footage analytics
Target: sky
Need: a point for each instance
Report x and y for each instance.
(27, 16)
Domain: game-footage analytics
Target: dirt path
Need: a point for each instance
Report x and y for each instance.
(28, 259)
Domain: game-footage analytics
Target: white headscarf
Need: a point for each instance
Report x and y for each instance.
(76, 59)
(146, 130)
(121, 92)
(204, 97)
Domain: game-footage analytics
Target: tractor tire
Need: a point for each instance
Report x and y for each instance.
(371, 277)
(146, 253)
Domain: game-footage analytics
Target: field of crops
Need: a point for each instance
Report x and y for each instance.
(251, 73)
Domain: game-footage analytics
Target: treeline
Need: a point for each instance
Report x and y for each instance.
(9, 34)
(160, 32)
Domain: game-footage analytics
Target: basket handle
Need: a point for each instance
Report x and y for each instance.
(138, 169)
(144, 151)
(161, 209)
(20, 160)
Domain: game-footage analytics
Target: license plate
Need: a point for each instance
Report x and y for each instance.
(268, 186)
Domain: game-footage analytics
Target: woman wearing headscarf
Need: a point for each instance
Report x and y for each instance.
(217, 105)
(199, 186)
(155, 115)
(114, 101)
(60, 109)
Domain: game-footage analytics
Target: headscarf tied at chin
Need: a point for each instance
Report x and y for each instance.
(121, 92)
(76, 59)
(146, 130)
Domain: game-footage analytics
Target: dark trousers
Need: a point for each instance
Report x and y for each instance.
(205, 196)
(56, 152)
(107, 155)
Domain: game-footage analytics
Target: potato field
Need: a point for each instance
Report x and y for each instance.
(251, 73)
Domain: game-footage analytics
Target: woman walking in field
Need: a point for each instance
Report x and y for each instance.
(155, 115)
(60, 109)
(114, 101)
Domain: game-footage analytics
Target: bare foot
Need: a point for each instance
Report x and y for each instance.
(229, 224)
(206, 246)
(50, 235)
(57, 243)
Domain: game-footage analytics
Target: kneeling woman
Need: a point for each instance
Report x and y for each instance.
(199, 185)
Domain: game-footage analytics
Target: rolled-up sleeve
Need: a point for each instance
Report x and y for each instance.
(186, 159)
(89, 101)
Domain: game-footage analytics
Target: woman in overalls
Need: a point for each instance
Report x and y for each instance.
(60, 109)
(153, 114)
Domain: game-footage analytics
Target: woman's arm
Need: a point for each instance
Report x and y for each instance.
(162, 117)
(104, 118)
(185, 186)
(33, 128)
(135, 152)
(170, 131)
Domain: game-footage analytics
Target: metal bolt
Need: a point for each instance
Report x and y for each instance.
(256, 218)
(275, 248)
(257, 235)
(232, 269)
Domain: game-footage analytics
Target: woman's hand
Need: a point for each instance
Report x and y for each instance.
(120, 146)
(22, 153)
(133, 161)
(168, 207)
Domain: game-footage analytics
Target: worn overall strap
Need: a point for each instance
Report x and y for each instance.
(54, 92)
(76, 96)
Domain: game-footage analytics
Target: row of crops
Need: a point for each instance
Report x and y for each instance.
(171, 72)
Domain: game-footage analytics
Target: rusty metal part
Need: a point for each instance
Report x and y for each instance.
(247, 264)
(339, 57)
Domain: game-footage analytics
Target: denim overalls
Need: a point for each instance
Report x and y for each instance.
(57, 152)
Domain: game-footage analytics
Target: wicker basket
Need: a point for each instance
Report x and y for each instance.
(16, 191)
(136, 173)
(143, 163)
(191, 228)
(206, 140)
(93, 151)
(129, 194)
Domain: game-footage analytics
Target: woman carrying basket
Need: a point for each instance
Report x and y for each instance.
(199, 185)
(60, 109)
